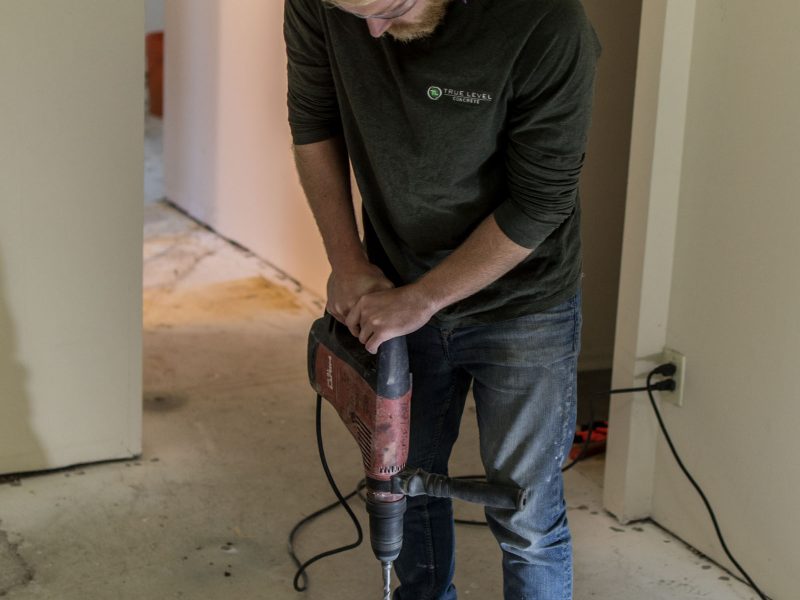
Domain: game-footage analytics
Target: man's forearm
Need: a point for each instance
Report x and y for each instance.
(485, 256)
(325, 176)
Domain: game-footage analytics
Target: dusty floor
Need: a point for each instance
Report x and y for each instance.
(230, 464)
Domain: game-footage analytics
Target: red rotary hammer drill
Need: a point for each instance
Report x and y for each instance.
(372, 394)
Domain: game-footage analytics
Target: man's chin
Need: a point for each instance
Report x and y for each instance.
(409, 34)
(429, 22)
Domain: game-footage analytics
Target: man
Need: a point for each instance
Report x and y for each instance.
(465, 122)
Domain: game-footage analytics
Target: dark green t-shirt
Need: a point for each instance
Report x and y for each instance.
(488, 115)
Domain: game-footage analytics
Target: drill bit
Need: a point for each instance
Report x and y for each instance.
(387, 580)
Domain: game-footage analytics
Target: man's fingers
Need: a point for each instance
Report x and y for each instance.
(372, 346)
(378, 284)
(333, 312)
(339, 310)
(374, 334)
(364, 334)
(353, 319)
(374, 342)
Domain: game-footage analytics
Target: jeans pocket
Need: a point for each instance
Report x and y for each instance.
(552, 335)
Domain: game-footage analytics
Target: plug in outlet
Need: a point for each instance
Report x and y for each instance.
(679, 360)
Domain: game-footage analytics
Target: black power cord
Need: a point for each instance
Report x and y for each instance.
(301, 567)
(667, 384)
(668, 370)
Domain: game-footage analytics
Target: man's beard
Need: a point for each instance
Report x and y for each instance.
(427, 23)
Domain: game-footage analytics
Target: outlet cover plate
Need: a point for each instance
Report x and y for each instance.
(679, 360)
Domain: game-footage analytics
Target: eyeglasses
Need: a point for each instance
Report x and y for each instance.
(398, 12)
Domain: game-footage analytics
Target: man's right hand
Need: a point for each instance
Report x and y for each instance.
(345, 288)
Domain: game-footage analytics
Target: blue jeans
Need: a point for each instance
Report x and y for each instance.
(523, 373)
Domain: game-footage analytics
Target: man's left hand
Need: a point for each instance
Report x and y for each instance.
(381, 316)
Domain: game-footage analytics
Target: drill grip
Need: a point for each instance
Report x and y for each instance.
(416, 482)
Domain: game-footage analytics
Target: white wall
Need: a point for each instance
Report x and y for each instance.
(153, 15)
(736, 290)
(191, 106)
(732, 296)
(227, 148)
(71, 162)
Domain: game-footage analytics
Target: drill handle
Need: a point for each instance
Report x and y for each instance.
(416, 482)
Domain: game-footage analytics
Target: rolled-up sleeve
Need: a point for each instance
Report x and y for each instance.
(549, 118)
(313, 107)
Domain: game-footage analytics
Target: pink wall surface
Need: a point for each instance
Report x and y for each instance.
(227, 147)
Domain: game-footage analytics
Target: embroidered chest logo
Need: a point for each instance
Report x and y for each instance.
(436, 93)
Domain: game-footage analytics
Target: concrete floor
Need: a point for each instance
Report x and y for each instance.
(230, 464)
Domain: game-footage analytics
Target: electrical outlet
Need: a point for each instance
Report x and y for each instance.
(679, 360)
